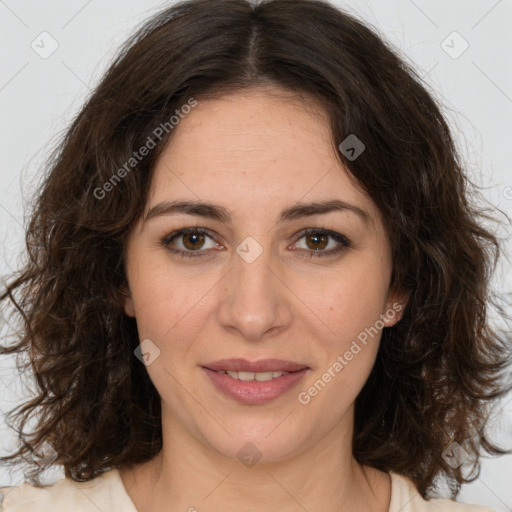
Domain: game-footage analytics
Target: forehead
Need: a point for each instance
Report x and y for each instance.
(252, 150)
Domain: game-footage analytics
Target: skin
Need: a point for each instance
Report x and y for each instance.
(256, 153)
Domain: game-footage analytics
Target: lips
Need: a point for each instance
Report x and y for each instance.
(254, 392)
(263, 365)
(254, 382)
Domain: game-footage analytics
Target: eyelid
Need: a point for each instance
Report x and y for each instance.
(342, 240)
(166, 242)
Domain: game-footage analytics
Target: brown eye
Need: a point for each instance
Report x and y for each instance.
(317, 241)
(321, 242)
(193, 241)
(190, 242)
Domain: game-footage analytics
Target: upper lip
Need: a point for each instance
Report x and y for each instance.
(263, 365)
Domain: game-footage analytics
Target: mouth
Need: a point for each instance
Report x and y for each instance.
(255, 382)
(261, 366)
(251, 376)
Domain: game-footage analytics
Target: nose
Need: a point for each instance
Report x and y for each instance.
(255, 301)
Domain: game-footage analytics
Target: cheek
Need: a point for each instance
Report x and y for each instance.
(334, 387)
(349, 300)
(167, 304)
(343, 379)
(171, 312)
(351, 310)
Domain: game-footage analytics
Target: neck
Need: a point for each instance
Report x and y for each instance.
(188, 475)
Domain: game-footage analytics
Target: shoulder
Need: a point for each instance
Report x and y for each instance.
(26, 497)
(406, 498)
(104, 492)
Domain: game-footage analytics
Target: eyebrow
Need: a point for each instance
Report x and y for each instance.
(217, 212)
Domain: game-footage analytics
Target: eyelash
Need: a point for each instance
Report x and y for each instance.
(342, 240)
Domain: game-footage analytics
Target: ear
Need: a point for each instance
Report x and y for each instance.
(395, 306)
(126, 301)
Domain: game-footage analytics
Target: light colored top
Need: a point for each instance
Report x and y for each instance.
(107, 493)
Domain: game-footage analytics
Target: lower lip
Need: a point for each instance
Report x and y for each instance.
(255, 392)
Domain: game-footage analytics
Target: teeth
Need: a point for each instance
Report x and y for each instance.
(248, 376)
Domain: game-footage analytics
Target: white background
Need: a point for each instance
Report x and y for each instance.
(38, 98)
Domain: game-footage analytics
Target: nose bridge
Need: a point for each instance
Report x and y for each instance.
(254, 301)
(251, 267)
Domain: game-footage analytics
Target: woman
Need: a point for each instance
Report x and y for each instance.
(256, 280)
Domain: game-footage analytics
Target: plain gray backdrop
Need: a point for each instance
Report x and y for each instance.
(53, 52)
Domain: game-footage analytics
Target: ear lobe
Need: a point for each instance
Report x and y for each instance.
(126, 301)
(395, 306)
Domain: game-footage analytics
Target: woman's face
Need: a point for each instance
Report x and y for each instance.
(252, 285)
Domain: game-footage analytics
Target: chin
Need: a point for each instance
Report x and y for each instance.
(258, 444)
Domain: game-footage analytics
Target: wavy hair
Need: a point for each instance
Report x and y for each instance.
(437, 370)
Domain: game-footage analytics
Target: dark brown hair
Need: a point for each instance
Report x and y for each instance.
(437, 370)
